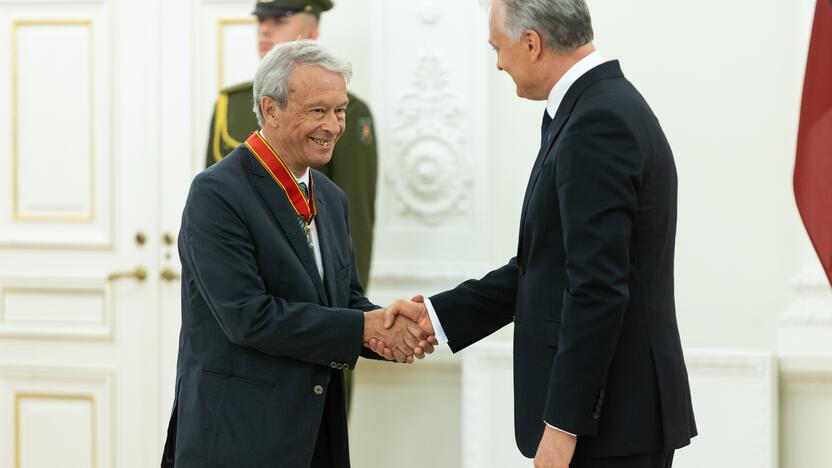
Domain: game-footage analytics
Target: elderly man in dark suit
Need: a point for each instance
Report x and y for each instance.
(272, 308)
(597, 354)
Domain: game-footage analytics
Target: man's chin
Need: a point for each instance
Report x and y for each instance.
(322, 159)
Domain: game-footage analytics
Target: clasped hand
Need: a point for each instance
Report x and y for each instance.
(401, 332)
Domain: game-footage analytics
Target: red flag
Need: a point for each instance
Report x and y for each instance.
(813, 166)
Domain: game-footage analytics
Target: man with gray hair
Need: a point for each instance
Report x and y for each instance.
(599, 375)
(272, 308)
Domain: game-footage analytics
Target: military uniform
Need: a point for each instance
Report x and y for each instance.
(353, 166)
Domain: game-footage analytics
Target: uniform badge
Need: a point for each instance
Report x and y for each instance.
(365, 130)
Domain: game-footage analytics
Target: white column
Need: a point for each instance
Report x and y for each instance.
(804, 344)
(805, 328)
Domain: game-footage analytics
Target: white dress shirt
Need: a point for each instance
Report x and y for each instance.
(556, 96)
(316, 247)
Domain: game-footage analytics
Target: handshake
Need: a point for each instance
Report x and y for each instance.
(401, 331)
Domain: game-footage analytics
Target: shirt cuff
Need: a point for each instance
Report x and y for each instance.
(560, 430)
(434, 320)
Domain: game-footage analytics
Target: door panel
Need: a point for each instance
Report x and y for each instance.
(79, 289)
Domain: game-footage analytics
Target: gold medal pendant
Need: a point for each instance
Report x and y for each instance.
(308, 230)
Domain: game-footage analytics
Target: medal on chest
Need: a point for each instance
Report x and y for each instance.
(305, 209)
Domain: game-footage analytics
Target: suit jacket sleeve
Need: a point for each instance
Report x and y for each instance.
(598, 171)
(216, 247)
(478, 308)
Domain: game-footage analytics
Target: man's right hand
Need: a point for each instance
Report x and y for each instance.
(403, 339)
(415, 311)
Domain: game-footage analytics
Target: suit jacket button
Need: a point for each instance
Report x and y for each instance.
(522, 270)
(319, 389)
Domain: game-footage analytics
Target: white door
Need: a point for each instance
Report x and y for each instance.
(83, 184)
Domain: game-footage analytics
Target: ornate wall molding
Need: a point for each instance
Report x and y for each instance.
(722, 362)
(428, 271)
(430, 13)
(431, 175)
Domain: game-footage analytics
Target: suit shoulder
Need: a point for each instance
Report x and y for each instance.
(226, 171)
(325, 184)
(614, 94)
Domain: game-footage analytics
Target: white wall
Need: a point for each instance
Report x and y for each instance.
(725, 80)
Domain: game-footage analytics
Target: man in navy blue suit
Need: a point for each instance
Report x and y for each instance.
(272, 307)
(597, 354)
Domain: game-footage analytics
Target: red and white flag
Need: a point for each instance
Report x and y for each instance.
(813, 165)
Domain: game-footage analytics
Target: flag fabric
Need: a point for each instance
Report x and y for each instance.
(813, 165)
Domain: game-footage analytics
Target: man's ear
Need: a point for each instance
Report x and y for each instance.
(533, 43)
(268, 108)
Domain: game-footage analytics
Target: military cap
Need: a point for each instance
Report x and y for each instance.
(267, 8)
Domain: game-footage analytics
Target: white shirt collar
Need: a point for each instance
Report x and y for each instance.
(304, 178)
(569, 78)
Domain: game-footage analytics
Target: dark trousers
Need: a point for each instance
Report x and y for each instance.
(649, 460)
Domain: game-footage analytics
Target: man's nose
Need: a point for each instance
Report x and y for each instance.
(330, 122)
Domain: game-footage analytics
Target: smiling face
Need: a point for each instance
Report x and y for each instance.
(514, 56)
(273, 30)
(305, 131)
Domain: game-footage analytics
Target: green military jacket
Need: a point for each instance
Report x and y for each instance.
(353, 167)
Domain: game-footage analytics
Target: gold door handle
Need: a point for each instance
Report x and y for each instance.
(139, 274)
(169, 275)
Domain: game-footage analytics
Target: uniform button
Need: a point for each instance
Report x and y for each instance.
(596, 415)
(319, 389)
(333, 365)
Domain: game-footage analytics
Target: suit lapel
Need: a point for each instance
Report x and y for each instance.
(326, 236)
(278, 204)
(554, 129)
(604, 71)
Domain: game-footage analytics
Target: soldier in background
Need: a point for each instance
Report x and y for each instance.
(355, 160)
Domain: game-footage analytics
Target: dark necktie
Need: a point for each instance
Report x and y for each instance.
(304, 189)
(544, 127)
(306, 227)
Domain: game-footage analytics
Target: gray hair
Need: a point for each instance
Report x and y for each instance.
(564, 25)
(275, 70)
